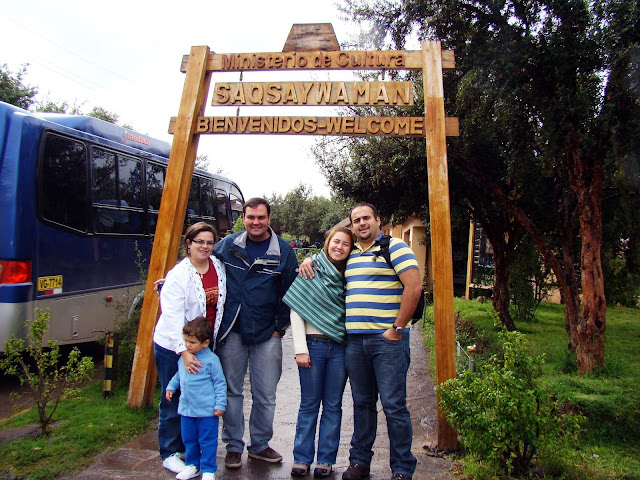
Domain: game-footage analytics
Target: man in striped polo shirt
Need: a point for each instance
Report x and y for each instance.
(379, 302)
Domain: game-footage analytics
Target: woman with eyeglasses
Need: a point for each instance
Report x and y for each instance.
(195, 287)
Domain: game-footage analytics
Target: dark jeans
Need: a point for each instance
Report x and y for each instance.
(378, 366)
(169, 438)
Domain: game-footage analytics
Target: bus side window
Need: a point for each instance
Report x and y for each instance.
(194, 212)
(116, 182)
(103, 186)
(207, 204)
(200, 207)
(130, 183)
(236, 201)
(63, 197)
(223, 217)
(130, 180)
(155, 183)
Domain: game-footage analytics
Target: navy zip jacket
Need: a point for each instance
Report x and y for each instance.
(255, 291)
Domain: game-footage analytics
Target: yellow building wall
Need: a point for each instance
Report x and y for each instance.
(412, 232)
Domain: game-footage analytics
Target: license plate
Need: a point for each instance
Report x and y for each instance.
(49, 283)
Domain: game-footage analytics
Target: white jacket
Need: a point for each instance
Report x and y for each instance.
(182, 299)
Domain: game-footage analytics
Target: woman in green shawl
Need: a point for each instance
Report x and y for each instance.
(319, 338)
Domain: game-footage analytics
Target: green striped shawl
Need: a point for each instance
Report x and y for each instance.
(320, 300)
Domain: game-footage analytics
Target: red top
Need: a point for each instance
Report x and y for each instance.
(210, 285)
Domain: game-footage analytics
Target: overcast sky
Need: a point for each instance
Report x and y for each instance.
(125, 56)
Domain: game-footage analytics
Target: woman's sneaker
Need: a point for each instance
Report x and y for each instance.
(173, 463)
(189, 471)
(208, 476)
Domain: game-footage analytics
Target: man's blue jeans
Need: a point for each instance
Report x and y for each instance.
(265, 367)
(323, 383)
(378, 366)
(169, 438)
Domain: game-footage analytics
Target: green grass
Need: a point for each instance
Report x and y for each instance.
(87, 424)
(609, 445)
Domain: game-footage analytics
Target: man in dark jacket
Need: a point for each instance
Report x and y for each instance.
(260, 268)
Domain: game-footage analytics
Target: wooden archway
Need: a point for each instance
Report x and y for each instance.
(309, 47)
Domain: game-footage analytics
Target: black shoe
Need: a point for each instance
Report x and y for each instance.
(355, 472)
(322, 470)
(299, 470)
(233, 460)
(400, 476)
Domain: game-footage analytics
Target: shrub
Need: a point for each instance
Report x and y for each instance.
(126, 330)
(502, 413)
(39, 368)
(127, 319)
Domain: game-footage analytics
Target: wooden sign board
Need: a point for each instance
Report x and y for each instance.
(311, 36)
(192, 122)
(399, 94)
(341, 126)
(320, 60)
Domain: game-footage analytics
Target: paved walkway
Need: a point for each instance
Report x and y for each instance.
(139, 459)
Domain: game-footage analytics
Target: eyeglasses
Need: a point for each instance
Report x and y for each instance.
(202, 242)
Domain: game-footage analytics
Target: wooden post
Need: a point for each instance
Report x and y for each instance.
(439, 211)
(470, 251)
(170, 221)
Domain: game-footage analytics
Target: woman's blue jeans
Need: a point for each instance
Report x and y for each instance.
(323, 383)
(169, 438)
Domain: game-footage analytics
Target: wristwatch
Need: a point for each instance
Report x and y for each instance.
(398, 329)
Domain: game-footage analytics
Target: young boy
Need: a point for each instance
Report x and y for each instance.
(203, 399)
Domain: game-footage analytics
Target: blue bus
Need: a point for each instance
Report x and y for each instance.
(79, 202)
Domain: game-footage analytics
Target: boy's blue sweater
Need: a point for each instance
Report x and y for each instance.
(200, 393)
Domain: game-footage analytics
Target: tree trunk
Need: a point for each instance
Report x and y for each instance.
(497, 234)
(501, 285)
(588, 332)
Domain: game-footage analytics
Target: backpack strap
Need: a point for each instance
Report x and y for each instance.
(385, 240)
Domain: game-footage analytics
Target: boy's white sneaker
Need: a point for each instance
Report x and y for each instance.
(208, 476)
(173, 463)
(189, 471)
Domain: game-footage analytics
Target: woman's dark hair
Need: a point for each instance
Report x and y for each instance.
(200, 328)
(193, 231)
